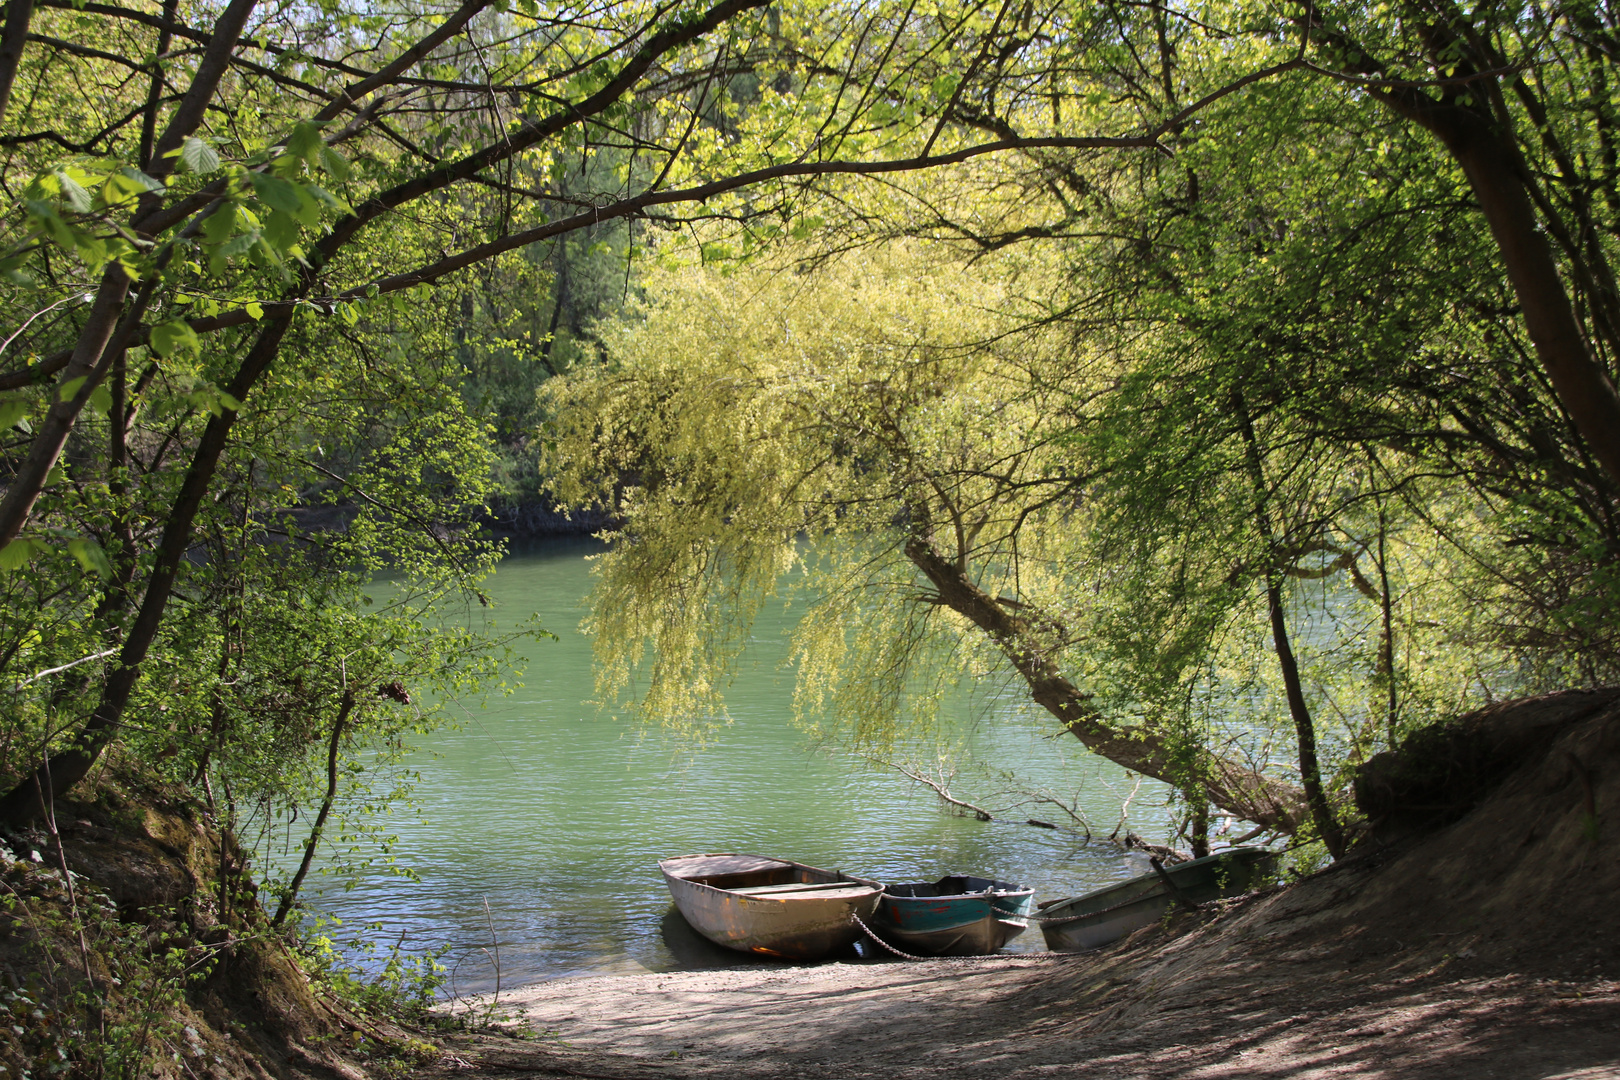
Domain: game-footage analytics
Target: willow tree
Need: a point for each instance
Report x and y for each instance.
(222, 185)
(890, 432)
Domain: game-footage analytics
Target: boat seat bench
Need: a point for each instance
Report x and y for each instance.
(796, 886)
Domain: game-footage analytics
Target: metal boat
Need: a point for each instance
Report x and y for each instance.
(954, 916)
(773, 907)
(1095, 919)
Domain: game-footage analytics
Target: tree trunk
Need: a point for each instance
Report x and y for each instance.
(1198, 828)
(1386, 638)
(97, 344)
(63, 770)
(154, 89)
(1493, 172)
(92, 355)
(1230, 784)
(18, 15)
(1310, 769)
(332, 746)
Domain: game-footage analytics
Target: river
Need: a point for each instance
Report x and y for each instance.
(555, 814)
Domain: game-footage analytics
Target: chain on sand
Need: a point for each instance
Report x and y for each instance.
(960, 959)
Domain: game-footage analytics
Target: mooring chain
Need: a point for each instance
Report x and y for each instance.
(958, 959)
(885, 944)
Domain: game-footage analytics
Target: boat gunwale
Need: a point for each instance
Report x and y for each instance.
(838, 875)
(1157, 890)
(1021, 899)
(957, 896)
(805, 927)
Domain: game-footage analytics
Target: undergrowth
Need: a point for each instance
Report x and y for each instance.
(88, 991)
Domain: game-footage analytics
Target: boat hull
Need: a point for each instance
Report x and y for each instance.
(955, 916)
(1099, 918)
(791, 925)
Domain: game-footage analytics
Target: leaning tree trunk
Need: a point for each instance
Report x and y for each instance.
(60, 772)
(1229, 784)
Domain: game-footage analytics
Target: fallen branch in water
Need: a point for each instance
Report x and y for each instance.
(1125, 808)
(1132, 842)
(1071, 809)
(938, 787)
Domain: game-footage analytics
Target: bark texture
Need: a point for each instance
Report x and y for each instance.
(1230, 784)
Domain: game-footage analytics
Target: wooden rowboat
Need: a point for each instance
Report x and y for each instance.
(1095, 919)
(954, 916)
(774, 907)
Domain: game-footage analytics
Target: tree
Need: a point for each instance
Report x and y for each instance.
(1482, 82)
(238, 184)
(894, 420)
(1263, 365)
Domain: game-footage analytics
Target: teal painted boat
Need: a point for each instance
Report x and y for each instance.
(1098, 918)
(954, 916)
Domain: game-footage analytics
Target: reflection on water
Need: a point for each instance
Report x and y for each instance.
(556, 815)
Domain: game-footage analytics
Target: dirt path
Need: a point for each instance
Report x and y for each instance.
(1137, 1013)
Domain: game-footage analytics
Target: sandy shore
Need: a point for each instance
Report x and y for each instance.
(802, 1020)
(1124, 1015)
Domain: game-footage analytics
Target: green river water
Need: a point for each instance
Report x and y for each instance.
(555, 815)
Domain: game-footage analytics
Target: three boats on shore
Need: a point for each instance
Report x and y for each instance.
(781, 908)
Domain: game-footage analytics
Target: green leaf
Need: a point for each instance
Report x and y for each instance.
(263, 254)
(198, 156)
(91, 557)
(219, 225)
(12, 270)
(12, 411)
(204, 400)
(281, 230)
(306, 143)
(240, 244)
(48, 221)
(100, 401)
(16, 555)
(213, 400)
(277, 193)
(140, 178)
(328, 199)
(335, 164)
(254, 309)
(171, 337)
(73, 194)
(70, 389)
(120, 189)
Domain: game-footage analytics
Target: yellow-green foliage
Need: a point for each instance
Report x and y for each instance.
(766, 431)
(770, 428)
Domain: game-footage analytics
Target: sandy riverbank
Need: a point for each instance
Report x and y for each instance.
(1160, 1009)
